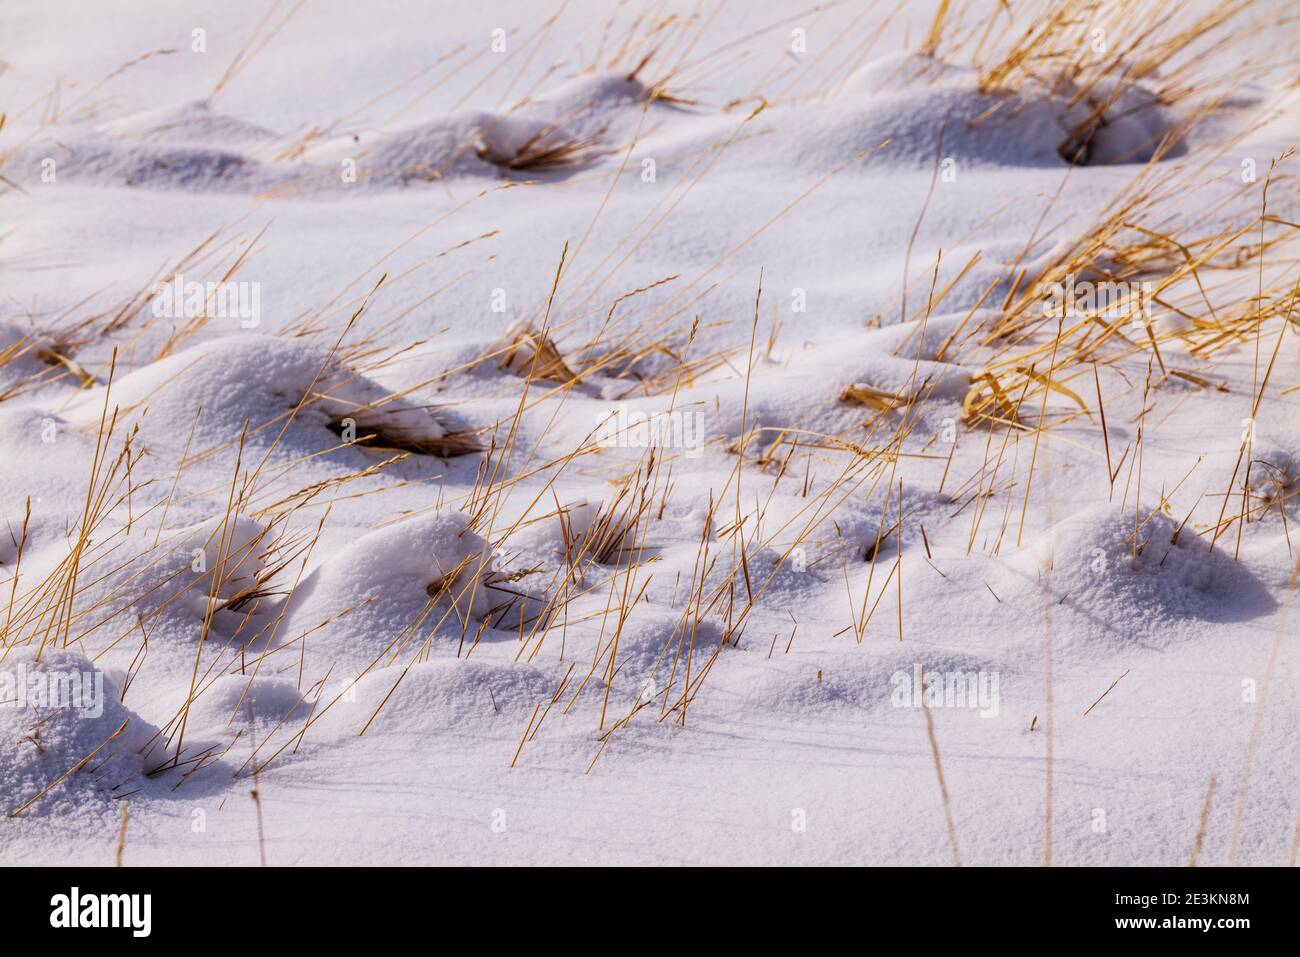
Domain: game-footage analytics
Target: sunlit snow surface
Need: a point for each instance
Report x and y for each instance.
(349, 546)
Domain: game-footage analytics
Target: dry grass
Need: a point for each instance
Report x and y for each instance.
(1035, 377)
(534, 354)
(546, 151)
(872, 398)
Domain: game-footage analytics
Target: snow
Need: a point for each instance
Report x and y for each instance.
(321, 536)
(44, 741)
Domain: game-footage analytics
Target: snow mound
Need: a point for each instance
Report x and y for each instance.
(56, 713)
(104, 161)
(191, 147)
(595, 105)
(427, 152)
(20, 357)
(1175, 576)
(897, 380)
(261, 379)
(178, 573)
(186, 147)
(189, 124)
(232, 703)
(561, 130)
(382, 596)
(465, 145)
(906, 104)
(942, 333)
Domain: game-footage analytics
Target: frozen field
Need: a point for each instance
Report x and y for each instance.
(660, 431)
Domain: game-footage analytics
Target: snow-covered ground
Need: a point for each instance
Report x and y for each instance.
(659, 431)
